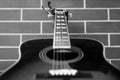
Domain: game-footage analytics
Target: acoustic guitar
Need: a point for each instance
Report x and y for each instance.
(61, 58)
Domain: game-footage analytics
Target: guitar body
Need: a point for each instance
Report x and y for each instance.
(92, 66)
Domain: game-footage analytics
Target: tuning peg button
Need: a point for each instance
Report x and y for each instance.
(50, 15)
(70, 14)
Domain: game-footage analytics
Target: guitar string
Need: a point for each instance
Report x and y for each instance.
(55, 50)
(53, 45)
(60, 43)
(57, 30)
(57, 42)
(57, 56)
(61, 40)
(64, 53)
(66, 28)
(63, 43)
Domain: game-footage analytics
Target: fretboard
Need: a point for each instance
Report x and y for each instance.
(61, 34)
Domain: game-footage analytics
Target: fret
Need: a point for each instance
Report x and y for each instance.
(58, 16)
(62, 20)
(63, 24)
(61, 34)
(61, 27)
(59, 37)
(57, 33)
(62, 45)
(58, 20)
(61, 30)
(62, 16)
(58, 24)
(64, 32)
(60, 12)
(62, 40)
(63, 37)
(58, 40)
(58, 27)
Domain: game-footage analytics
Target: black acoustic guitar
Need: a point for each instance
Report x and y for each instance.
(61, 58)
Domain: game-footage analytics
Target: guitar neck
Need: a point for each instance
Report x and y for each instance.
(61, 33)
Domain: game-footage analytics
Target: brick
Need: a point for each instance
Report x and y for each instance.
(101, 38)
(115, 39)
(116, 63)
(33, 37)
(19, 3)
(89, 14)
(9, 40)
(65, 3)
(103, 27)
(112, 52)
(19, 27)
(34, 15)
(5, 64)
(115, 14)
(9, 14)
(102, 3)
(9, 53)
(98, 37)
(74, 27)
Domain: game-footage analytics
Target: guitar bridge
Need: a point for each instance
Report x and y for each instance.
(63, 72)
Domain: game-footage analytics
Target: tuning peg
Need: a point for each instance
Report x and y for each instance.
(50, 11)
(70, 14)
(50, 16)
(45, 10)
(49, 5)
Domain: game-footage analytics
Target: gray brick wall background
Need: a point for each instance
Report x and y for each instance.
(22, 20)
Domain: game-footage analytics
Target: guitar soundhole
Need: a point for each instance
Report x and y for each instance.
(68, 55)
(62, 54)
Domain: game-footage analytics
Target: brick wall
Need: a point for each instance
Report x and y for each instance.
(22, 20)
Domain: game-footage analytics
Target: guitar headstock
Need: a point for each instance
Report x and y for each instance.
(52, 11)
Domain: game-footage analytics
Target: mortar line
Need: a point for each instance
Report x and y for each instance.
(9, 46)
(41, 4)
(113, 46)
(20, 39)
(41, 27)
(108, 14)
(84, 2)
(85, 28)
(115, 59)
(109, 44)
(8, 59)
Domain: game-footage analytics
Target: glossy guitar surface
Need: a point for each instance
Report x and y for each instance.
(92, 66)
